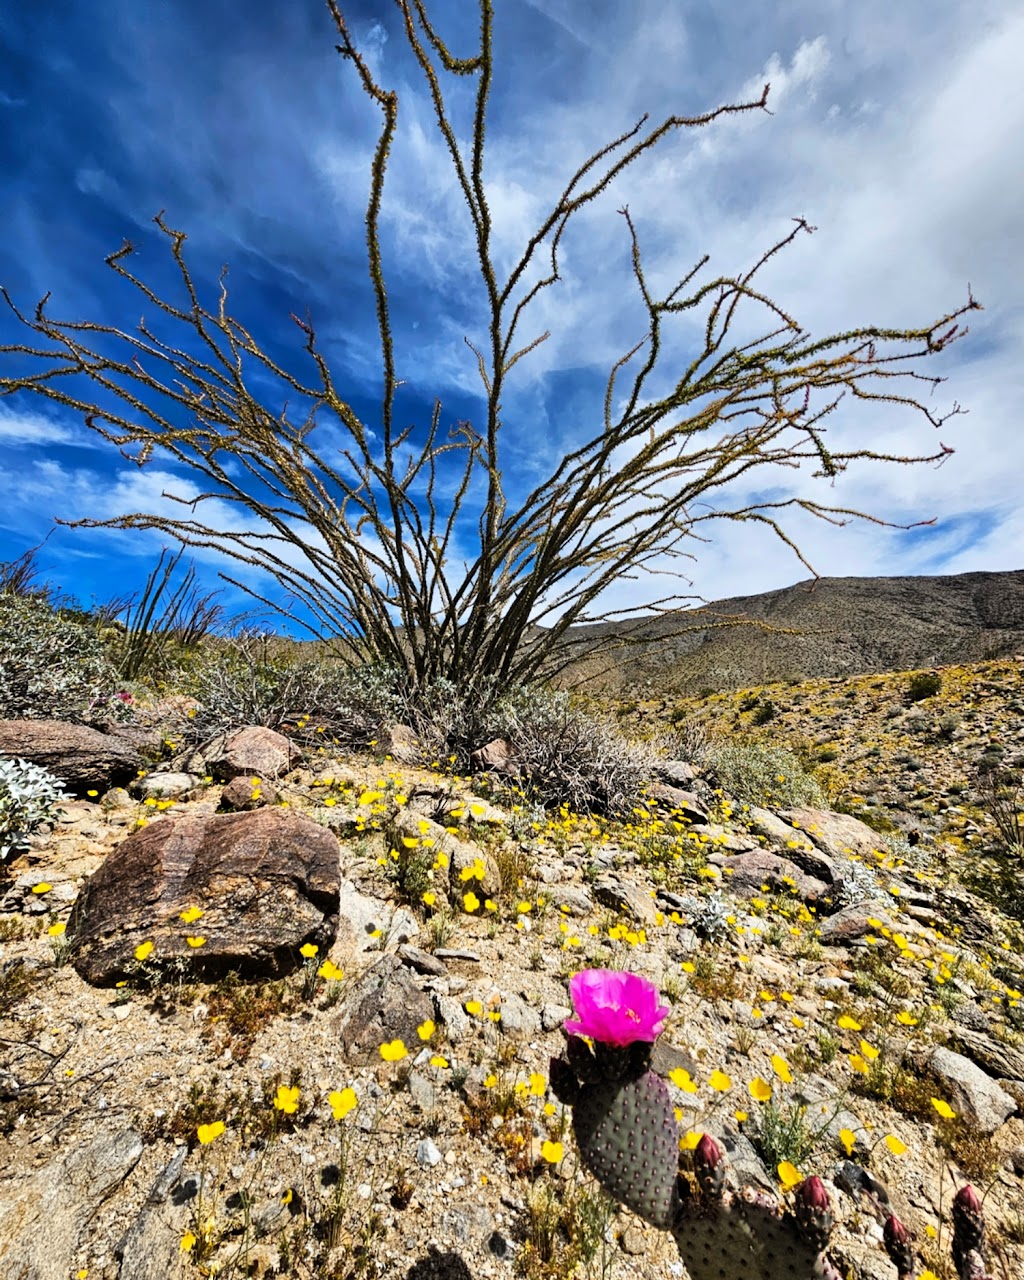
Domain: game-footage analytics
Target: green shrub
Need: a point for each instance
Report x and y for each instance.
(29, 796)
(52, 664)
(565, 754)
(164, 622)
(254, 680)
(923, 684)
(873, 818)
(763, 775)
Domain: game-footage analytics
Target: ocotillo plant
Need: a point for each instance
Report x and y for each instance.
(628, 1138)
(407, 544)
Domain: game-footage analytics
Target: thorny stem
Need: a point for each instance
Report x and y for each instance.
(369, 546)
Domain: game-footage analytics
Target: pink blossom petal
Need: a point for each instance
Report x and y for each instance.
(614, 1007)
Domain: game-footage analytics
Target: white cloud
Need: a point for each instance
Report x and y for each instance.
(894, 132)
(19, 427)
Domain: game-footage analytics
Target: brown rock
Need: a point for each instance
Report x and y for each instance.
(1000, 1060)
(837, 834)
(403, 745)
(83, 758)
(686, 803)
(255, 752)
(851, 923)
(677, 773)
(623, 895)
(494, 757)
(468, 860)
(750, 871)
(240, 796)
(266, 882)
(384, 1005)
(798, 835)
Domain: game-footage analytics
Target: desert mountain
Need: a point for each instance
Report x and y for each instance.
(823, 627)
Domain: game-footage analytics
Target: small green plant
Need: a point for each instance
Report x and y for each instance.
(238, 1011)
(712, 980)
(765, 712)
(783, 1133)
(12, 928)
(29, 797)
(744, 1040)
(923, 684)
(565, 1229)
(441, 928)
(16, 982)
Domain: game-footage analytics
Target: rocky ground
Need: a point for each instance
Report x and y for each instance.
(381, 1106)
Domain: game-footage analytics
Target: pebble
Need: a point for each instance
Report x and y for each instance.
(427, 1154)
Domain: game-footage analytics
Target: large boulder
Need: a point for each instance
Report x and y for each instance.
(264, 883)
(976, 1098)
(44, 1213)
(803, 836)
(84, 759)
(838, 835)
(751, 871)
(253, 752)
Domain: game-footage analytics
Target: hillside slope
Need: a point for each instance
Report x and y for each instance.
(827, 627)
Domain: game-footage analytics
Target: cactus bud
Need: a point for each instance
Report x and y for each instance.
(709, 1165)
(968, 1225)
(967, 1198)
(896, 1239)
(813, 1212)
(811, 1193)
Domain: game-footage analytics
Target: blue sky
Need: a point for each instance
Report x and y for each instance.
(895, 131)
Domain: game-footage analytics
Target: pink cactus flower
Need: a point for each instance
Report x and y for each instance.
(615, 1008)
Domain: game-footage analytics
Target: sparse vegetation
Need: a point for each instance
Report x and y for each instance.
(316, 1150)
(763, 775)
(923, 684)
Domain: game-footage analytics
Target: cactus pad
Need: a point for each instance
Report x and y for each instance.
(629, 1140)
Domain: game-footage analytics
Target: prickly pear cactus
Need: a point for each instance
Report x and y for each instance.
(624, 1124)
(625, 1127)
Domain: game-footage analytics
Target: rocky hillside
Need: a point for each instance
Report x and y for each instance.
(827, 627)
(897, 761)
(278, 1015)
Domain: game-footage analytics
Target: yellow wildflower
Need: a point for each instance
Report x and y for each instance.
(342, 1103)
(287, 1099)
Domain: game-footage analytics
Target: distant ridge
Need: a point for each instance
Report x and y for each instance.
(850, 626)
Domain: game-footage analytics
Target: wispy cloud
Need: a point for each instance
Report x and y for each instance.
(892, 131)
